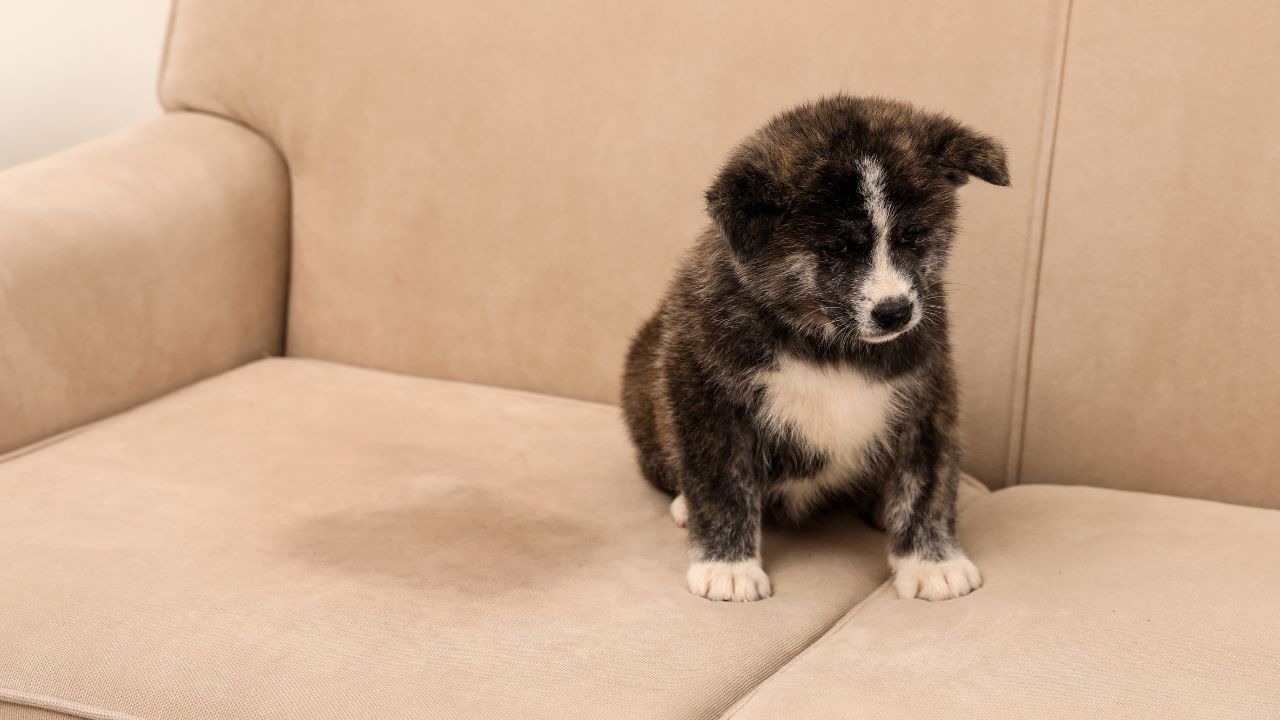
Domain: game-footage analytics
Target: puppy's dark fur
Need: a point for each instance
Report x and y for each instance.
(774, 331)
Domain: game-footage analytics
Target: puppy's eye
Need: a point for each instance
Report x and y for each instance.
(835, 246)
(848, 242)
(913, 235)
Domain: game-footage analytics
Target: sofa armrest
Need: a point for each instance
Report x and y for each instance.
(134, 265)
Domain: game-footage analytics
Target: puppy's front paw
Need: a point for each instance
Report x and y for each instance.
(742, 581)
(934, 579)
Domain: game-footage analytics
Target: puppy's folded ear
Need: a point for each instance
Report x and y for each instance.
(962, 152)
(747, 202)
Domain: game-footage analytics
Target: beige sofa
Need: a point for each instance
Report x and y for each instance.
(307, 387)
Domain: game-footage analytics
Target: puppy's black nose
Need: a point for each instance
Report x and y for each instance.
(892, 314)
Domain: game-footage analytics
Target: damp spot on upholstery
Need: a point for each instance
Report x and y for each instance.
(468, 541)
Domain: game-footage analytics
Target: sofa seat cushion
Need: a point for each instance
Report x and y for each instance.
(297, 539)
(1097, 604)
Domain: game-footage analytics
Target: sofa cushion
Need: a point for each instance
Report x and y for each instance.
(302, 539)
(1097, 604)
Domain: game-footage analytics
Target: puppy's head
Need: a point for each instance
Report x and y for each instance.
(840, 214)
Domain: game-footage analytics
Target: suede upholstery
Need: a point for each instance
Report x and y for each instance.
(462, 197)
(420, 548)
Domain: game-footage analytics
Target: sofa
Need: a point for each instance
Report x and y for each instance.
(308, 386)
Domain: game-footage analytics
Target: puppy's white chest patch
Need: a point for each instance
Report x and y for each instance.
(832, 410)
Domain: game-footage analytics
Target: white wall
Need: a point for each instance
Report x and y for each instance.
(72, 70)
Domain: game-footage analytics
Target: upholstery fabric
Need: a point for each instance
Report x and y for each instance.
(9, 711)
(1097, 604)
(135, 265)
(498, 192)
(24, 706)
(1156, 361)
(296, 539)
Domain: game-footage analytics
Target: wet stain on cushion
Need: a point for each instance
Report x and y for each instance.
(471, 541)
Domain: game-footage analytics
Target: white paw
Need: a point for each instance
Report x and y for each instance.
(740, 581)
(914, 577)
(680, 511)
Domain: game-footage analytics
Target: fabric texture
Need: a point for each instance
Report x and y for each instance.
(10, 711)
(1156, 362)
(301, 539)
(498, 193)
(1096, 604)
(16, 705)
(135, 265)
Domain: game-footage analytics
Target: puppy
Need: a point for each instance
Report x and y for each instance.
(800, 358)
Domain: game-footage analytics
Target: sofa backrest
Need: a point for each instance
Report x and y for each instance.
(1156, 356)
(498, 192)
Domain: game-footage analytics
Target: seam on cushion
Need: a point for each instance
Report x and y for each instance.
(6, 704)
(55, 438)
(59, 705)
(1035, 256)
(848, 617)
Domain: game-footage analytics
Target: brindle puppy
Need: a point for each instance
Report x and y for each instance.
(800, 358)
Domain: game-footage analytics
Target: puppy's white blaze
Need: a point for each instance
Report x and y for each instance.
(884, 281)
(873, 197)
(740, 581)
(933, 580)
(831, 410)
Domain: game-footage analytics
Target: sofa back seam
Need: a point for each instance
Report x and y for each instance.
(1035, 255)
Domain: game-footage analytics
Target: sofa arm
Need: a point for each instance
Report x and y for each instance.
(134, 265)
